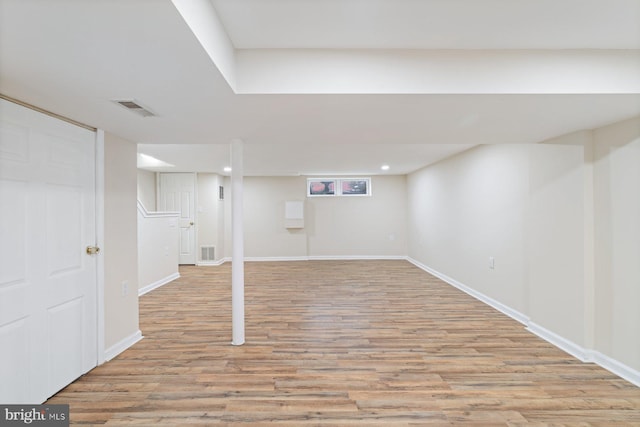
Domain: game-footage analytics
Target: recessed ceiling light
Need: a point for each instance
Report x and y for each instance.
(227, 169)
(384, 167)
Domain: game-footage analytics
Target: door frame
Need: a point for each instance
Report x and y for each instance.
(100, 309)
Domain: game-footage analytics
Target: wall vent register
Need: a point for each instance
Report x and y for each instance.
(207, 253)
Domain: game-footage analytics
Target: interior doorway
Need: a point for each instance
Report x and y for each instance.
(177, 194)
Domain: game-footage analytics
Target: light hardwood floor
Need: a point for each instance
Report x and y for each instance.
(340, 343)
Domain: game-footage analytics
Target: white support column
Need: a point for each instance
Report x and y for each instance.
(237, 231)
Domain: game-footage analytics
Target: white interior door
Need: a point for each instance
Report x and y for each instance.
(48, 313)
(177, 194)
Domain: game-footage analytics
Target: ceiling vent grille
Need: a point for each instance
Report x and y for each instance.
(135, 106)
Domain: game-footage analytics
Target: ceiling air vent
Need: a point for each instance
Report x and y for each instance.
(134, 106)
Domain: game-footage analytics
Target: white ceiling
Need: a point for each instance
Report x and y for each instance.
(73, 57)
(431, 24)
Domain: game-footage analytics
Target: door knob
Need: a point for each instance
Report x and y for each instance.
(191, 223)
(92, 250)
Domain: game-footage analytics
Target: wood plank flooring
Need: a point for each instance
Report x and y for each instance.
(340, 343)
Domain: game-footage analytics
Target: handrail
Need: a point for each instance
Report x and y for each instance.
(156, 214)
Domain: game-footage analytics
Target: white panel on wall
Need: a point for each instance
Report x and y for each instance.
(294, 214)
(158, 246)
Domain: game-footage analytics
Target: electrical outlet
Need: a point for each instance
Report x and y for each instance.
(492, 263)
(125, 288)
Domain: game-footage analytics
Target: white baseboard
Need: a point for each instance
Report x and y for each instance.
(616, 367)
(575, 350)
(587, 355)
(355, 257)
(514, 314)
(211, 263)
(562, 343)
(317, 258)
(122, 345)
(275, 258)
(158, 283)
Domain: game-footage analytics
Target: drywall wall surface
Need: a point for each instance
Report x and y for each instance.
(584, 139)
(120, 241)
(555, 240)
(565, 214)
(334, 227)
(209, 210)
(617, 235)
(147, 189)
(507, 221)
(227, 218)
(265, 234)
(467, 209)
(157, 248)
(359, 226)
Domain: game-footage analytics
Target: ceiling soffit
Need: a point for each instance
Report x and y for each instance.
(531, 63)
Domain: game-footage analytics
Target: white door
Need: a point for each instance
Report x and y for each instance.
(48, 314)
(177, 194)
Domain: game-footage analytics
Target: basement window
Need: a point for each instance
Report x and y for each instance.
(349, 187)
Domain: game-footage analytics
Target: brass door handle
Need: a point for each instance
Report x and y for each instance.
(92, 250)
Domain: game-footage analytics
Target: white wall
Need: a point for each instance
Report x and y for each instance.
(584, 139)
(147, 189)
(522, 205)
(612, 239)
(468, 208)
(360, 226)
(562, 220)
(158, 236)
(264, 229)
(210, 214)
(226, 225)
(120, 241)
(334, 226)
(617, 235)
(554, 254)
